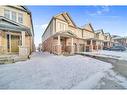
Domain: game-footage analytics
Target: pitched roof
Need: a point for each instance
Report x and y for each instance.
(107, 34)
(67, 33)
(99, 31)
(65, 15)
(86, 25)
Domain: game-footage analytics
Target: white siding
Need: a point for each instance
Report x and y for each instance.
(48, 32)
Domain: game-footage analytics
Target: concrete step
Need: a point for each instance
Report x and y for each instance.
(6, 60)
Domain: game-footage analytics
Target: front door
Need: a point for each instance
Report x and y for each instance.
(81, 49)
(15, 43)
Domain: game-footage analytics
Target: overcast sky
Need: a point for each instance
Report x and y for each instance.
(112, 19)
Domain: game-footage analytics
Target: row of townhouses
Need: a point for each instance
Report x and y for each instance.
(118, 40)
(16, 30)
(63, 36)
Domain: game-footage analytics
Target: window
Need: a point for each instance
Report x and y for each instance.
(20, 18)
(64, 27)
(7, 13)
(58, 25)
(14, 16)
(61, 26)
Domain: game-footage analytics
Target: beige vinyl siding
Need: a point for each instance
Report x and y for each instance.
(72, 29)
(4, 41)
(1, 11)
(87, 34)
(79, 33)
(108, 38)
(26, 17)
(101, 36)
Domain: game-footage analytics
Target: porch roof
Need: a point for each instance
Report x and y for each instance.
(9, 25)
(107, 41)
(65, 34)
(93, 39)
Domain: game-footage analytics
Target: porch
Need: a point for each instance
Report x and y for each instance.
(93, 45)
(63, 43)
(108, 44)
(14, 38)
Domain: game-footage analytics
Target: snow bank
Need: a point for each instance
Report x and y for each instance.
(111, 54)
(47, 71)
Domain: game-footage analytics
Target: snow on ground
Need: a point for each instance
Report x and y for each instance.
(111, 54)
(112, 80)
(47, 71)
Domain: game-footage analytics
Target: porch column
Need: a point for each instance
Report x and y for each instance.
(23, 38)
(91, 45)
(23, 50)
(72, 46)
(58, 39)
(85, 47)
(108, 44)
(78, 50)
(102, 45)
(58, 46)
(97, 45)
(77, 46)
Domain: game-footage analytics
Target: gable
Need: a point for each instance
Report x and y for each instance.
(65, 17)
(88, 27)
(69, 20)
(61, 17)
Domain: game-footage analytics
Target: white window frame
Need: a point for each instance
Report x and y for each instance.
(13, 15)
(7, 12)
(64, 27)
(20, 17)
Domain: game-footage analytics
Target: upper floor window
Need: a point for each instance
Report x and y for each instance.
(61, 26)
(14, 17)
(20, 17)
(7, 13)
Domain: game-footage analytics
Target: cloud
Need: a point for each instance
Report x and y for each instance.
(99, 11)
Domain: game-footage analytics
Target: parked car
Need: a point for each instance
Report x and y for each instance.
(105, 48)
(117, 48)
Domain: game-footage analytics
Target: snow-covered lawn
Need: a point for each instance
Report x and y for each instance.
(110, 54)
(47, 71)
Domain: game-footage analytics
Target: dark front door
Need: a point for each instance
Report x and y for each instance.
(8, 43)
